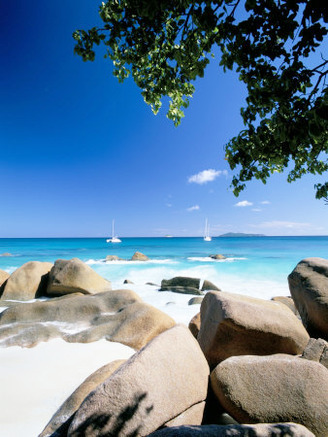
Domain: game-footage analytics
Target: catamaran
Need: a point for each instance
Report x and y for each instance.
(114, 239)
(207, 232)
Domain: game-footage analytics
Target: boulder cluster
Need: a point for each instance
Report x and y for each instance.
(245, 367)
(81, 307)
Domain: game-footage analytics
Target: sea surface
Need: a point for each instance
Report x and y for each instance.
(34, 382)
(257, 266)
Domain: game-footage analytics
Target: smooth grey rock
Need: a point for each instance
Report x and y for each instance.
(113, 258)
(158, 383)
(276, 388)
(195, 301)
(138, 256)
(233, 324)
(71, 276)
(27, 282)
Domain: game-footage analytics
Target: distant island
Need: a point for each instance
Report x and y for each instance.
(240, 234)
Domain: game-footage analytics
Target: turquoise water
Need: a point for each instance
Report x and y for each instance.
(254, 265)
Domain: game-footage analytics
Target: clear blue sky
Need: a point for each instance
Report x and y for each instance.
(79, 149)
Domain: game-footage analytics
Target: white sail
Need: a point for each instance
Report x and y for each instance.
(114, 238)
(207, 232)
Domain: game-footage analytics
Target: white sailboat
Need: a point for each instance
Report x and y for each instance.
(207, 232)
(114, 239)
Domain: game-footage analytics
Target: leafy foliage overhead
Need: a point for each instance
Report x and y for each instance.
(275, 46)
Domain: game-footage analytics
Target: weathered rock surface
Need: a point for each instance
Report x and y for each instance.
(138, 256)
(183, 290)
(276, 388)
(180, 281)
(288, 301)
(117, 315)
(258, 430)
(127, 281)
(317, 350)
(113, 258)
(61, 420)
(158, 383)
(208, 285)
(71, 276)
(27, 282)
(232, 325)
(308, 284)
(195, 300)
(194, 325)
(6, 254)
(181, 284)
(3, 277)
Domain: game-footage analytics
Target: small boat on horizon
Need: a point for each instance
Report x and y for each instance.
(114, 238)
(207, 232)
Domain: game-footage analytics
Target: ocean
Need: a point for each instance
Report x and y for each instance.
(34, 382)
(253, 265)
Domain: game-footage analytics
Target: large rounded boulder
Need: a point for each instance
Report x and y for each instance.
(116, 315)
(161, 381)
(71, 276)
(27, 282)
(276, 388)
(232, 325)
(308, 284)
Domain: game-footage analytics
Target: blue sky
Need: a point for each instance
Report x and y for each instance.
(78, 149)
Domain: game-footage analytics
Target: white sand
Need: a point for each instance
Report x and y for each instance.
(35, 382)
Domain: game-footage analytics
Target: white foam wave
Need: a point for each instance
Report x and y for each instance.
(129, 262)
(209, 259)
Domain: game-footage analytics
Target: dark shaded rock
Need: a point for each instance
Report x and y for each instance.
(157, 384)
(218, 256)
(127, 281)
(195, 301)
(194, 325)
(308, 284)
(60, 421)
(240, 325)
(182, 290)
(207, 285)
(138, 256)
(180, 281)
(276, 388)
(259, 430)
(71, 276)
(27, 282)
